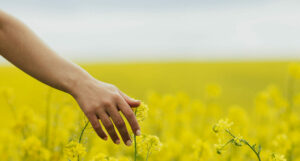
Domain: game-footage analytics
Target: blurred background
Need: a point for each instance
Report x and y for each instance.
(193, 62)
(170, 46)
(133, 30)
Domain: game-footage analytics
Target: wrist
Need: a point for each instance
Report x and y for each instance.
(80, 84)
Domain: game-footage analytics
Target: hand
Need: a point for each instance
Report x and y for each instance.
(102, 101)
(97, 100)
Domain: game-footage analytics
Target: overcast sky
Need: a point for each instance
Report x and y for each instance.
(164, 29)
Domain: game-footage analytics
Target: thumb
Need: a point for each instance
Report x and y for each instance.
(131, 102)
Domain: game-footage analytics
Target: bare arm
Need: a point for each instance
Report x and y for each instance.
(97, 99)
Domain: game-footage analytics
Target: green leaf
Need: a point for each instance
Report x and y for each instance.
(259, 149)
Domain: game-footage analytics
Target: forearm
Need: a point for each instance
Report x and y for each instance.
(98, 100)
(21, 47)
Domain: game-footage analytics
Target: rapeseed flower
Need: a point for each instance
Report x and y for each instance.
(73, 150)
(223, 124)
(141, 112)
(277, 157)
(33, 150)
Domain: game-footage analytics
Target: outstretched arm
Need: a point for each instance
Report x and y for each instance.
(98, 100)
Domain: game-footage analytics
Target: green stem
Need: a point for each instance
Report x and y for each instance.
(246, 142)
(252, 148)
(230, 141)
(230, 133)
(135, 148)
(290, 153)
(81, 135)
(148, 153)
(82, 131)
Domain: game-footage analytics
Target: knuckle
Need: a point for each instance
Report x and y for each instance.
(89, 112)
(115, 96)
(91, 108)
(106, 103)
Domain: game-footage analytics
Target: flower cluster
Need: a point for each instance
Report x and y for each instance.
(141, 112)
(277, 157)
(33, 149)
(73, 150)
(222, 125)
(148, 143)
(204, 123)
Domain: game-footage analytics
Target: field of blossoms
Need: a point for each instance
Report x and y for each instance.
(233, 111)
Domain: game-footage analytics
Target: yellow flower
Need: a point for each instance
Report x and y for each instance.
(123, 159)
(148, 143)
(103, 157)
(277, 157)
(202, 150)
(179, 119)
(73, 150)
(25, 121)
(222, 125)
(141, 112)
(100, 157)
(219, 148)
(282, 143)
(238, 140)
(33, 149)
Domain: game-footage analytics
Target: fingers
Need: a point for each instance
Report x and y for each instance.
(120, 124)
(128, 113)
(97, 126)
(131, 102)
(109, 127)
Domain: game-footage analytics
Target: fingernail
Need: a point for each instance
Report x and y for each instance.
(138, 132)
(128, 142)
(117, 141)
(135, 100)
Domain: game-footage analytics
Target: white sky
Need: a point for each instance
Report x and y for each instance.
(164, 29)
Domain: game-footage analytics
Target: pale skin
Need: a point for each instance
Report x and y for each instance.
(98, 100)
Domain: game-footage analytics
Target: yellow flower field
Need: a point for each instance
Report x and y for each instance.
(231, 111)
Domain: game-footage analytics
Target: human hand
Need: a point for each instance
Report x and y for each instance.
(103, 101)
(98, 100)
